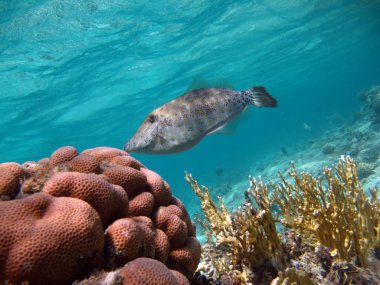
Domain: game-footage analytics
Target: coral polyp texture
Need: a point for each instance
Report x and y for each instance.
(330, 231)
(96, 217)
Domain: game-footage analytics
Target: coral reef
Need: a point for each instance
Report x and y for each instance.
(247, 239)
(328, 149)
(99, 215)
(37, 244)
(371, 108)
(139, 271)
(330, 232)
(340, 215)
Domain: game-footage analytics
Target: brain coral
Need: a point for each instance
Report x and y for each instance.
(101, 204)
(186, 258)
(48, 240)
(158, 187)
(169, 221)
(11, 174)
(129, 178)
(141, 205)
(63, 154)
(105, 153)
(127, 160)
(109, 201)
(148, 271)
(84, 163)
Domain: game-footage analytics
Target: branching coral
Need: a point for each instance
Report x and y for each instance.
(248, 236)
(340, 215)
(334, 214)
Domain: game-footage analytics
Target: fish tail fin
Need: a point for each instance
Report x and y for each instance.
(260, 97)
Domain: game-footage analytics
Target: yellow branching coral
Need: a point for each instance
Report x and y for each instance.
(340, 215)
(248, 236)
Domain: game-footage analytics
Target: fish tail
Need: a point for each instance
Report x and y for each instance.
(260, 97)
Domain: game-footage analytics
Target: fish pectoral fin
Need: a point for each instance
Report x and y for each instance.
(229, 128)
(223, 129)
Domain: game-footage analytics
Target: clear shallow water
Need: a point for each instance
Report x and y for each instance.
(86, 73)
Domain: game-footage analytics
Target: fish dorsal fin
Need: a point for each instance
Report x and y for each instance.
(199, 82)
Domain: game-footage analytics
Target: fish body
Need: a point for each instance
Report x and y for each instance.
(181, 123)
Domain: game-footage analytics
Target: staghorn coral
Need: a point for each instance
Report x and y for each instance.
(89, 178)
(248, 236)
(331, 232)
(339, 216)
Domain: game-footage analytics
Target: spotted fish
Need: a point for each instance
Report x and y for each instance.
(181, 123)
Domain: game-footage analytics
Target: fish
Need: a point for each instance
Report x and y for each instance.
(219, 171)
(306, 126)
(183, 122)
(284, 151)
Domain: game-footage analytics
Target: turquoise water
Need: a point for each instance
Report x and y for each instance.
(86, 73)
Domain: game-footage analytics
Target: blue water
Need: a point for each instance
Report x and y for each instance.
(86, 73)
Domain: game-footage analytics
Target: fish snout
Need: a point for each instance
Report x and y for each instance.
(128, 147)
(142, 141)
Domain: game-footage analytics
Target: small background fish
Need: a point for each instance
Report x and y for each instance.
(181, 123)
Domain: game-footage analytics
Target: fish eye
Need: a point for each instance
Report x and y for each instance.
(151, 118)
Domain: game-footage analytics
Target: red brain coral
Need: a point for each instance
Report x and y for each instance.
(149, 234)
(48, 240)
(84, 163)
(143, 271)
(162, 246)
(63, 154)
(127, 160)
(190, 225)
(131, 232)
(158, 187)
(141, 205)
(186, 258)
(105, 153)
(109, 201)
(16, 169)
(167, 220)
(123, 242)
(181, 279)
(132, 180)
(11, 174)
(8, 183)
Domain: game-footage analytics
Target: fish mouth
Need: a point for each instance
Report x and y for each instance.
(139, 144)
